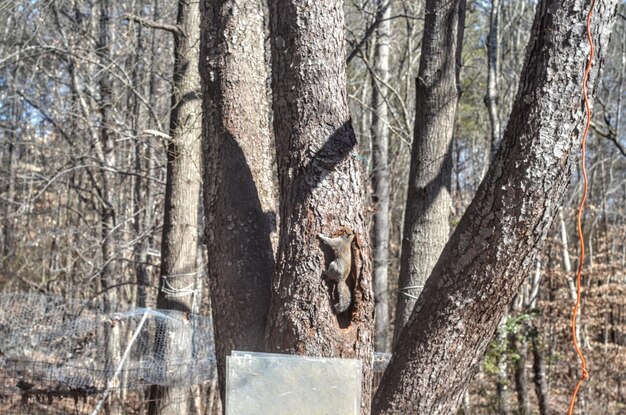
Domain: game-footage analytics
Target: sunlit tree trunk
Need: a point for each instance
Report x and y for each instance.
(428, 206)
(491, 97)
(321, 188)
(380, 179)
(179, 269)
(494, 245)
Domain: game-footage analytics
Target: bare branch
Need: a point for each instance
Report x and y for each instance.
(370, 30)
(174, 29)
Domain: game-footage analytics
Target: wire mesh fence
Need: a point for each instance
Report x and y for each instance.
(69, 356)
(60, 356)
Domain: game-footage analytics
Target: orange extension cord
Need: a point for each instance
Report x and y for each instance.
(583, 362)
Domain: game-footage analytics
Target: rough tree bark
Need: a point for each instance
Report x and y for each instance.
(321, 187)
(380, 179)
(495, 243)
(239, 193)
(426, 217)
(177, 283)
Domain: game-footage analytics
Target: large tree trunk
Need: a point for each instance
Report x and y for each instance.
(495, 243)
(322, 189)
(179, 269)
(380, 179)
(426, 217)
(240, 201)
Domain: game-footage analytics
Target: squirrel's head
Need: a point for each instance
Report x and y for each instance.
(346, 233)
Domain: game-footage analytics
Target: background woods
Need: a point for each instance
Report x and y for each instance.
(186, 155)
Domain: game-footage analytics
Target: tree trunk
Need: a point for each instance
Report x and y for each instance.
(426, 218)
(520, 348)
(380, 180)
(491, 98)
(179, 268)
(322, 189)
(141, 206)
(491, 250)
(502, 381)
(239, 192)
(105, 148)
(10, 162)
(539, 374)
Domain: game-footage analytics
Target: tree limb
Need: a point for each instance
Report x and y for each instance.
(369, 31)
(174, 29)
(609, 136)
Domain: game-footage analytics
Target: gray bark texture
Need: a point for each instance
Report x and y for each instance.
(380, 180)
(179, 270)
(426, 217)
(494, 245)
(239, 191)
(322, 189)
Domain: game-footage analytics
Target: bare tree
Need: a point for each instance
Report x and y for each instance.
(495, 243)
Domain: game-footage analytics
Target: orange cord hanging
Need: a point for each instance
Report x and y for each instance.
(583, 362)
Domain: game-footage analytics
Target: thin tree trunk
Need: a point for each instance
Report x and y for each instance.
(106, 153)
(8, 246)
(539, 373)
(520, 350)
(105, 147)
(502, 382)
(239, 191)
(380, 180)
(179, 267)
(491, 98)
(492, 248)
(141, 208)
(322, 189)
(428, 207)
(567, 267)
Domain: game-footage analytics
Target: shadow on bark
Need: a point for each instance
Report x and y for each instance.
(240, 256)
(337, 147)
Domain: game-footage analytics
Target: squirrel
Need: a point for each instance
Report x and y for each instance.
(339, 268)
